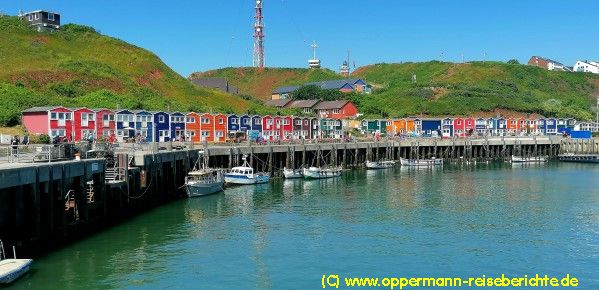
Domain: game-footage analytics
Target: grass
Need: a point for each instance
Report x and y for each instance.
(77, 66)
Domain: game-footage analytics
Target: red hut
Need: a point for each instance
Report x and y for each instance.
(54, 121)
(459, 127)
(105, 123)
(469, 126)
(84, 124)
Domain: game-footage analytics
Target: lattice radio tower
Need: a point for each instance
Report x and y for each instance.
(259, 36)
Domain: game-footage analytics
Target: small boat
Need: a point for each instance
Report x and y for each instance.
(579, 158)
(244, 175)
(379, 164)
(292, 173)
(421, 162)
(530, 159)
(320, 173)
(12, 269)
(203, 180)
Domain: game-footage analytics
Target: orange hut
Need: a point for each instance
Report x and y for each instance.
(220, 128)
(207, 127)
(512, 125)
(193, 128)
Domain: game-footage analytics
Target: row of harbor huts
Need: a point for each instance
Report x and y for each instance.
(83, 124)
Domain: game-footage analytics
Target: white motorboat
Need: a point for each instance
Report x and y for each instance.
(203, 180)
(379, 164)
(244, 175)
(421, 162)
(530, 159)
(292, 173)
(320, 173)
(12, 269)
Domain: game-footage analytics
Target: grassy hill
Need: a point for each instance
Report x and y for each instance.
(261, 83)
(443, 88)
(77, 66)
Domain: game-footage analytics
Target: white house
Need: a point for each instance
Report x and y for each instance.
(587, 66)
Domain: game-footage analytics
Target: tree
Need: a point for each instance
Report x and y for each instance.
(313, 92)
(513, 61)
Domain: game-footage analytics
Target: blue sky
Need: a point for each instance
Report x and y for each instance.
(197, 35)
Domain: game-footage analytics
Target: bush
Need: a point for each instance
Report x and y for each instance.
(43, 139)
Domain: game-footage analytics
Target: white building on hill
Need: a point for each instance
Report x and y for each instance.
(587, 66)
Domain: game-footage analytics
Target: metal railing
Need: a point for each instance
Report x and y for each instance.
(36, 153)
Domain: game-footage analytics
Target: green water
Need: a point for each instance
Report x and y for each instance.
(456, 221)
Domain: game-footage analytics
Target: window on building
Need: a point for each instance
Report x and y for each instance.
(53, 116)
(285, 121)
(51, 16)
(37, 16)
(221, 121)
(336, 111)
(219, 134)
(307, 110)
(161, 119)
(257, 121)
(30, 17)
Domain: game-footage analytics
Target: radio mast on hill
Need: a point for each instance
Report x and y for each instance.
(259, 37)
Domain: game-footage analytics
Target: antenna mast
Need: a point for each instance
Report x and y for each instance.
(259, 36)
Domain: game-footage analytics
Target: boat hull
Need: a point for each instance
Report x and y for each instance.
(537, 159)
(379, 165)
(421, 162)
(292, 174)
(203, 189)
(245, 180)
(316, 173)
(13, 269)
(579, 158)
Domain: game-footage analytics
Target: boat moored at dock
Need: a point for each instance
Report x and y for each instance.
(421, 162)
(579, 158)
(203, 180)
(321, 173)
(292, 173)
(12, 269)
(380, 164)
(244, 175)
(528, 159)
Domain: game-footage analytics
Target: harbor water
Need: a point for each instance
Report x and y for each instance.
(456, 221)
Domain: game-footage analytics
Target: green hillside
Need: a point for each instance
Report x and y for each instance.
(77, 66)
(458, 89)
(444, 88)
(260, 83)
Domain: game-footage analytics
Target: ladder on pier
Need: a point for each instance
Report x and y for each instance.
(2, 253)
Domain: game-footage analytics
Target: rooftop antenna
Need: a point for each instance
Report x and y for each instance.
(259, 36)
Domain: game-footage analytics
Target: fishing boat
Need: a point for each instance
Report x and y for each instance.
(12, 269)
(379, 164)
(530, 159)
(244, 175)
(579, 158)
(421, 162)
(320, 173)
(203, 180)
(292, 173)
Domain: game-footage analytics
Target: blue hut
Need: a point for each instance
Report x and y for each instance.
(480, 125)
(501, 126)
(233, 124)
(125, 125)
(245, 123)
(542, 126)
(144, 125)
(550, 126)
(177, 126)
(447, 128)
(431, 127)
(256, 127)
(163, 127)
(561, 126)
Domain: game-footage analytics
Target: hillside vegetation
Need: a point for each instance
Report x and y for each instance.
(260, 83)
(77, 66)
(446, 88)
